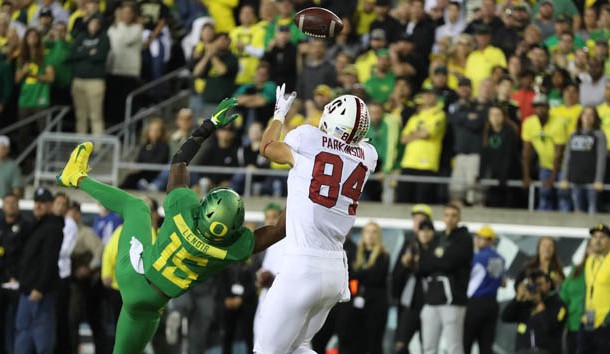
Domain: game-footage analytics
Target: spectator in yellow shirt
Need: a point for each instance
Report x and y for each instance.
(596, 321)
(459, 54)
(481, 62)
(365, 61)
(423, 137)
(546, 135)
(222, 13)
(365, 15)
(247, 43)
(569, 111)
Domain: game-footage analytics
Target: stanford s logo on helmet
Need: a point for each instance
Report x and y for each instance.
(346, 118)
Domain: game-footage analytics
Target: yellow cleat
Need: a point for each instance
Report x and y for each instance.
(76, 167)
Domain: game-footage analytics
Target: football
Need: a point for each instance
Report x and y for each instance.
(318, 22)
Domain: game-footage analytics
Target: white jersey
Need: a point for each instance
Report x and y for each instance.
(324, 186)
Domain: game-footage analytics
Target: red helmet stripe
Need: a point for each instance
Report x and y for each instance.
(356, 122)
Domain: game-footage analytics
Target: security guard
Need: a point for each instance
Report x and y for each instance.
(597, 302)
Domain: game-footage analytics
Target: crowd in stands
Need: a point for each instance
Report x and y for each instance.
(466, 90)
(58, 266)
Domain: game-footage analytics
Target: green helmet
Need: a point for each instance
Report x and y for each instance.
(220, 216)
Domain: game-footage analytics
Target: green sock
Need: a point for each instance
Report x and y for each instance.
(111, 198)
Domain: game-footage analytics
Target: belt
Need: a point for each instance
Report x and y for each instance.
(152, 285)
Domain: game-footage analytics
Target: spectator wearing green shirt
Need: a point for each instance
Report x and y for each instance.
(256, 100)
(285, 15)
(218, 66)
(572, 292)
(35, 75)
(563, 23)
(559, 7)
(379, 86)
(58, 54)
(603, 30)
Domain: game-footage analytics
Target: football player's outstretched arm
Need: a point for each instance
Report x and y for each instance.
(178, 173)
(266, 236)
(272, 148)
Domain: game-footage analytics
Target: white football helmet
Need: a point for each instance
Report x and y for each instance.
(346, 118)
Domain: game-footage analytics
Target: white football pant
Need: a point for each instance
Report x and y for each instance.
(308, 285)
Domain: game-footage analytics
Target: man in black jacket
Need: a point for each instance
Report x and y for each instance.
(38, 277)
(539, 314)
(445, 269)
(13, 229)
(467, 119)
(281, 54)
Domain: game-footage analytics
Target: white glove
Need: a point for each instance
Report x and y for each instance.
(282, 103)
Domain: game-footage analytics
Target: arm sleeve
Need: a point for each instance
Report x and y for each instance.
(268, 93)
(16, 181)
(553, 317)
(566, 161)
(501, 59)
(407, 129)
(70, 237)
(439, 126)
(602, 153)
(476, 125)
(6, 83)
(399, 276)
(477, 274)
(255, 51)
(232, 65)
(515, 311)
(102, 50)
(78, 51)
(14, 249)
(510, 148)
(163, 155)
(563, 292)
(293, 139)
(241, 90)
(424, 267)
(52, 246)
(376, 275)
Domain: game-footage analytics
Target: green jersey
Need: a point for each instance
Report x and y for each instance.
(180, 257)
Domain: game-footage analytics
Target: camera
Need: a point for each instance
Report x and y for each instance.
(530, 285)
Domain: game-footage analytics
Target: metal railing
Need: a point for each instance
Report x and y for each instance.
(52, 123)
(53, 150)
(47, 114)
(388, 181)
(129, 136)
(127, 128)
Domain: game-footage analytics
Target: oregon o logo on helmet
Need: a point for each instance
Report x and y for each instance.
(215, 226)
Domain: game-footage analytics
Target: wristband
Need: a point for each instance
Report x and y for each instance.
(205, 130)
